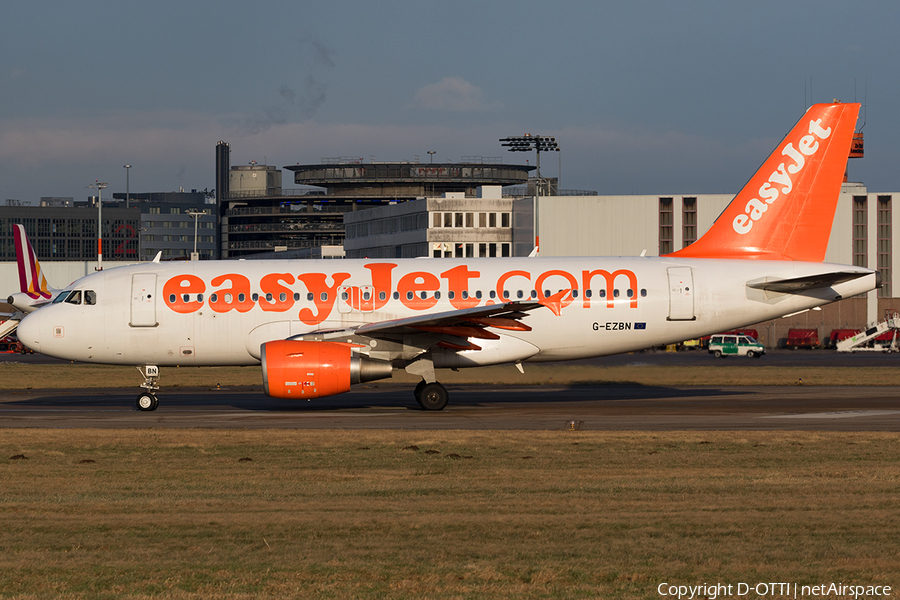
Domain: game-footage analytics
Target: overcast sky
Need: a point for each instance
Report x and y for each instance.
(643, 97)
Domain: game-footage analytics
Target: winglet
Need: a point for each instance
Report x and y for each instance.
(31, 279)
(786, 210)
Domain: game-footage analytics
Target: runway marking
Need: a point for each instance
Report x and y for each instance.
(847, 414)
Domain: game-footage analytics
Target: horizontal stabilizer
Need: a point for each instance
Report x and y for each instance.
(796, 285)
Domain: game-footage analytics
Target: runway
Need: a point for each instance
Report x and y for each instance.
(474, 407)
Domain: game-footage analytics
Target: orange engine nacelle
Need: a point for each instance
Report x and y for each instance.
(303, 369)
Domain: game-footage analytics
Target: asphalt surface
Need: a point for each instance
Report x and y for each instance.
(587, 407)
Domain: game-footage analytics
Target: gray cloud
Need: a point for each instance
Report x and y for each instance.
(452, 94)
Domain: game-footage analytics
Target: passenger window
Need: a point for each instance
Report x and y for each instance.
(90, 297)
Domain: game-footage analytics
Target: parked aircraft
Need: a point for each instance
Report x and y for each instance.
(317, 327)
(35, 292)
(34, 289)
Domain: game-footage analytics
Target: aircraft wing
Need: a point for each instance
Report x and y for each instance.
(450, 329)
(796, 285)
(501, 316)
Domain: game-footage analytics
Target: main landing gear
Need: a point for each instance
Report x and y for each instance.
(146, 400)
(431, 396)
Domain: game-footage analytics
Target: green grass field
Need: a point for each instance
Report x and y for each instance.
(736, 372)
(365, 514)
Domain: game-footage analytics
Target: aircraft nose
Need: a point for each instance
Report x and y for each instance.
(29, 331)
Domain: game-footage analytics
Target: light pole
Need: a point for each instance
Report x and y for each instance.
(99, 186)
(431, 154)
(196, 215)
(127, 185)
(527, 143)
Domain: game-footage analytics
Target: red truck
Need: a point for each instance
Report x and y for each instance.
(802, 338)
(11, 344)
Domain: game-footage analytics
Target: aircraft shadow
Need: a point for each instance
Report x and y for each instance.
(380, 396)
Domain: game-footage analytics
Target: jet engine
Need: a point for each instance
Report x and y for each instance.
(304, 369)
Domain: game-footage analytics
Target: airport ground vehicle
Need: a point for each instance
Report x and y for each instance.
(802, 338)
(722, 345)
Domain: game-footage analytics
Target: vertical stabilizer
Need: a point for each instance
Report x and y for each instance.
(31, 279)
(786, 210)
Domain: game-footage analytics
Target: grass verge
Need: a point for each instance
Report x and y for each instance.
(27, 376)
(390, 514)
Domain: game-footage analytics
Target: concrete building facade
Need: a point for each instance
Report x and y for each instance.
(449, 226)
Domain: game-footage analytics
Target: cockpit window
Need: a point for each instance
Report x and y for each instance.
(75, 297)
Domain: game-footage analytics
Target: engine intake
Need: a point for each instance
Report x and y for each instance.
(304, 369)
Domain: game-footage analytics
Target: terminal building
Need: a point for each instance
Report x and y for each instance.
(259, 215)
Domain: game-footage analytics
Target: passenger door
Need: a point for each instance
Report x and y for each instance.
(143, 300)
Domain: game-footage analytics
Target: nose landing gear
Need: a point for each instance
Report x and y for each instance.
(146, 400)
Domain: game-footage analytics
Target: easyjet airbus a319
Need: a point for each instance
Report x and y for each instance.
(318, 327)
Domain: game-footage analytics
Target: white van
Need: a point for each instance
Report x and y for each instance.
(735, 345)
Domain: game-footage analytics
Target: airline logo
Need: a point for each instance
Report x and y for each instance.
(31, 279)
(779, 181)
(417, 291)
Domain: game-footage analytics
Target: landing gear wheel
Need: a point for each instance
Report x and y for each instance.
(418, 391)
(433, 396)
(147, 401)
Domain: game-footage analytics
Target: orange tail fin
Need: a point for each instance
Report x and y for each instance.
(786, 210)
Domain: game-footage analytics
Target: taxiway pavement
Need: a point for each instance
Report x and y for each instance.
(391, 406)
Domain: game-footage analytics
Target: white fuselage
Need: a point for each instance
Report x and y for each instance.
(220, 312)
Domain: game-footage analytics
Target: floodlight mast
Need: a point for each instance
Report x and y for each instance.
(99, 186)
(538, 143)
